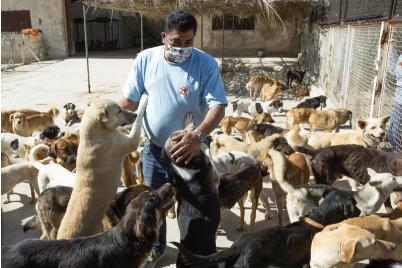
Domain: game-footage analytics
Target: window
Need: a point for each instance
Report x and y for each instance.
(15, 21)
(233, 23)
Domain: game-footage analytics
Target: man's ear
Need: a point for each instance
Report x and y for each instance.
(163, 36)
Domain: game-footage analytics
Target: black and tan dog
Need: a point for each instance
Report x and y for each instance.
(198, 212)
(284, 246)
(72, 115)
(52, 204)
(125, 245)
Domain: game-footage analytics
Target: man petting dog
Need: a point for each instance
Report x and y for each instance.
(179, 79)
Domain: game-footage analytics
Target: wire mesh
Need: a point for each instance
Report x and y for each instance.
(362, 70)
(339, 37)
(388, 103)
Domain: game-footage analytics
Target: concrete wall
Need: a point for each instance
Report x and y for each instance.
(49, 17)
(245, 43)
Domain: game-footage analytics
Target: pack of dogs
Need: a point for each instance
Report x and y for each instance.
(86, 222)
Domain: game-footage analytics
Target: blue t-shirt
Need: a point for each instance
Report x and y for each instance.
(174, 89)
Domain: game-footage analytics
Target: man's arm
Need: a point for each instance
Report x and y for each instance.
(128, 104)
(188, 142)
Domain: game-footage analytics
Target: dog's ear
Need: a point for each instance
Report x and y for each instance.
(362, 124)
(102, 116)
(348, 250)
(396, 166)
(65, 106)
(14, 144)
(258, 108)
(371, 172)
(53, 150)
(384, 120)
(326, 192)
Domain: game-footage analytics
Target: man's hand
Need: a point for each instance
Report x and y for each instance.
(187, 146)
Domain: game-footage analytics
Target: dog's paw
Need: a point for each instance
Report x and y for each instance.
(268, 216)
(240, 228)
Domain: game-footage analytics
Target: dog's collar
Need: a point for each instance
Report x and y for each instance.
(311, 222)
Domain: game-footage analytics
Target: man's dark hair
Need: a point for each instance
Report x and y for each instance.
(180, 20)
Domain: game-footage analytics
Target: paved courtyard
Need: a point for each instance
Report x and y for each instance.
(54, 83)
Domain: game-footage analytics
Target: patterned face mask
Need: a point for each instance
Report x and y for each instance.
(179, 54)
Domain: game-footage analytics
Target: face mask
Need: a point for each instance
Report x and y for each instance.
(179, 54)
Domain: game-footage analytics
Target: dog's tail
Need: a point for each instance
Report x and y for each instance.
(53, 112)
(200, 261)
(305, 151)
(32, 224)
(34, 152)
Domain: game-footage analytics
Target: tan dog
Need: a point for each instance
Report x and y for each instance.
(27, 125)
(7, 124)
(370, 133)
(326, 120)
(13, 174)
(242, 123)
(99, 161)
(345, 244)
(301, 90)
(256, 82)
(284, 174)
(271, 91)
(128, 177)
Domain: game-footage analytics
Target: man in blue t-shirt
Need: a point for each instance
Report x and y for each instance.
(179, 79)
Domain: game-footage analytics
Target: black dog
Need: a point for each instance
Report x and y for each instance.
(313, 103)
(331, 163)
(284, 246)
(198, 212)
(265, 129)
(125, 245)
(52, 132)
(297, 75)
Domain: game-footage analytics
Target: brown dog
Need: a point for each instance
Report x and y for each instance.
(271, 91)
(256, 82)
(128, 177)
(27, 125)
(64, 151)
(242, 123)
(284, 173)
(301, 90)
(7, 124)
(326, 120)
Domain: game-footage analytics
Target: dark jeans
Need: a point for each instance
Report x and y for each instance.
(156, 173)
(395, 128)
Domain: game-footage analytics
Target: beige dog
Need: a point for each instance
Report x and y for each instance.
(6, 123)
(284, 174)
(301, 90)
(256, 82)
(242, 123)
(326, 120)
(271, 91)
(370, 133)
(13, 174)
(99, 163)
(27, 125)
(346, 244)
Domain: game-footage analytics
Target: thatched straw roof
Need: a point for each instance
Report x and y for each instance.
(156, 9)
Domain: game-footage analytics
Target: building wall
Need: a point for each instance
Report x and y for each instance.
(49, 17)
(268, 36)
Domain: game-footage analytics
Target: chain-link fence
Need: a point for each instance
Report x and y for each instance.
(362, 70)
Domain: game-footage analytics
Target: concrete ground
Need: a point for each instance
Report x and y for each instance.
(55, 83)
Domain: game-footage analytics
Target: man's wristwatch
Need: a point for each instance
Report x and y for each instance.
(200, 136)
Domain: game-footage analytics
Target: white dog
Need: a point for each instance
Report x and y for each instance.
(14, 144)
(369, 198)
(52, 174)
(254, 108)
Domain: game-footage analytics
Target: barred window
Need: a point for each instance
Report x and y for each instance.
(15, 21)
(233, 23)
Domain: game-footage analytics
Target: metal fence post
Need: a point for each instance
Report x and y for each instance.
(345, 81)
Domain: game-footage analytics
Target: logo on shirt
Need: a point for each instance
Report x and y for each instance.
(183, 91)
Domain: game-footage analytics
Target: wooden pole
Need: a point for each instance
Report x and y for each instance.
(142, 33)
(84, 12)
(223, 40)
(202, 24)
